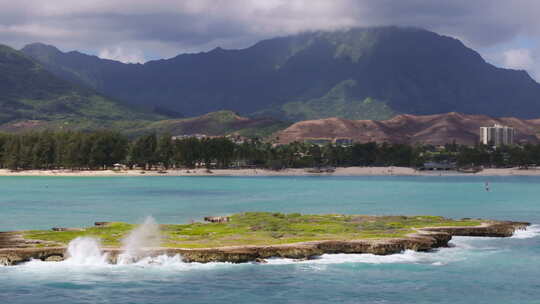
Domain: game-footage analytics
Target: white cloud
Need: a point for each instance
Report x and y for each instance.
(122, 54)
(520, 59)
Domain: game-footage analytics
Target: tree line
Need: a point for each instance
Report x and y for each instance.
(104, 149)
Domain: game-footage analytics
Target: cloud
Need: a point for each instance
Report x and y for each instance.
(520, 59)
(164, 28)
(119, 53)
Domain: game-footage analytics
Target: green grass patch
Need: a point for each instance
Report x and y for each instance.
(110, 235)
(264, 228)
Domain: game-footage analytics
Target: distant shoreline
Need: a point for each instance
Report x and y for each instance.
(347, 171)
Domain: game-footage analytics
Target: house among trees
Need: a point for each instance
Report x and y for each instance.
(439, 166)
(338, 141)
(318, 141)
(344, 141)
(184, 136)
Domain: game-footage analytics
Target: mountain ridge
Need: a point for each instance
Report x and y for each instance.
(409, 70)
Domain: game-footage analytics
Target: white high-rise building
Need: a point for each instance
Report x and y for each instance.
(497, 135)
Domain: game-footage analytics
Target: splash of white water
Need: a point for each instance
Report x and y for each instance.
(530, 232)
(139, 240)
(462, 249)
(85, 251)
(441, 257)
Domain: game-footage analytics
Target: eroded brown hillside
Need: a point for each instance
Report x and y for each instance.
(430, 129)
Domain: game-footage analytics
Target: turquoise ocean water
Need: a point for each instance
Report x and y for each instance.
(474, 270)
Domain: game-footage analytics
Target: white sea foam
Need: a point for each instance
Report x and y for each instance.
(531, 232)
(161, 260)
(85, 251)
(461, 248)
(441, 257)
(159, 263)
(82, 251)
(174, 263)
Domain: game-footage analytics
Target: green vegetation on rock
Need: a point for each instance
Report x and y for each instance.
(33, 98)
(263, 228)
(338, 102)
(109, 235)
(214, 124)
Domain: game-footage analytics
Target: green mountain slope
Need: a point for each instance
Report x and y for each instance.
(214, 124)
(394, 70)
(30, 93)
(338, 102)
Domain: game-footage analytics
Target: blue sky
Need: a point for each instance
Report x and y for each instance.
(505, 32)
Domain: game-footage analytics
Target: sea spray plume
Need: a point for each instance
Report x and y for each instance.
(85, 251)
(139, 240)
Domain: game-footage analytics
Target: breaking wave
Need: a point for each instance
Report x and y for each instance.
(85, 251)
(460, 249)
(530, 232)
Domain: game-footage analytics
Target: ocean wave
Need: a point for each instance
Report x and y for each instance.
(461, 248)
(435, 258)
(531, 232)
(158, 263)
(175, 263)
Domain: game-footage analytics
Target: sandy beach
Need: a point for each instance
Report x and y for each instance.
(347, 171)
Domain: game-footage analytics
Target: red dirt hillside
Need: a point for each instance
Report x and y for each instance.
(429, 129)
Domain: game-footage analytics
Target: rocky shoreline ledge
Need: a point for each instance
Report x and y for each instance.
(15, 249)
